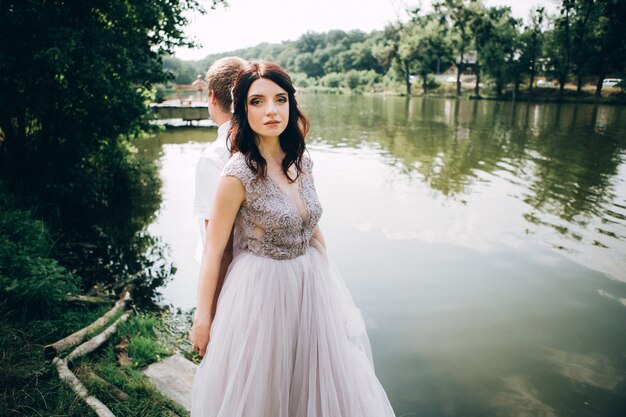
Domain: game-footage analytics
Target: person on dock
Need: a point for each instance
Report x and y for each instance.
(219, 78)
(199, 84)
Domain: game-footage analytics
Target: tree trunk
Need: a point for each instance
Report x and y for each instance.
(425, 83)
(9, 137)
(579, 43)
(459, 68)
(533, 64)
(564, 70)
(407, 78)
(477, 86)
(14, 146)
(603, 69)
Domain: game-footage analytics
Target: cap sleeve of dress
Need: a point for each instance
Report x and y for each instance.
(237, 167)
(307, 163)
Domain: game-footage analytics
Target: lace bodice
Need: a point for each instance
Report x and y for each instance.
(269, 223)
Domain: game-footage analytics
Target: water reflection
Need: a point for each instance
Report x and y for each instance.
(443, 216)
(518, 398)
(564, 162)
(595, 369)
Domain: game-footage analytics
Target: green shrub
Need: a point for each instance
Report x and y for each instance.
(31, 283)
(360, 80)
(301, 80)
(431, 82)
(143, 347)
(332, 80)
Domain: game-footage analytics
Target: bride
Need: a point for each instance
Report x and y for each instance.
(286, 339)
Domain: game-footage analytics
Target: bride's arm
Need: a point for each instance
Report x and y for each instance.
(229, 197)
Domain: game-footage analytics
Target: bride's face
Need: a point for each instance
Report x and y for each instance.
(268, 108)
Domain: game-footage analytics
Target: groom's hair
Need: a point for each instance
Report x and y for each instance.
(220, 79)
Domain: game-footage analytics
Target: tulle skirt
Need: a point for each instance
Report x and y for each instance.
(287, 341)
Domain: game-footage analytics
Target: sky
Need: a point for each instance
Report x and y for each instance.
(246, 23)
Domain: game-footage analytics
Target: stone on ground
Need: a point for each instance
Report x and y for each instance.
(173, 377)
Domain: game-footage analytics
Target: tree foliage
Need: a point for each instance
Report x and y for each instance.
(424, 45)
(74, 75)
(458, 15)
(583, 42)
(75, 83)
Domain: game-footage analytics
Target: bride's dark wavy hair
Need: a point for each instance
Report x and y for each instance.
(243, 138)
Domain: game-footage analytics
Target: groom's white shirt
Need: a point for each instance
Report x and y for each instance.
(208, 170)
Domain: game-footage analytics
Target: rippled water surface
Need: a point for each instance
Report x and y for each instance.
(485, 243)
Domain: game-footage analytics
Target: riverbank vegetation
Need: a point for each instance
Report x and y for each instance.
(461, 47)
(75, 198)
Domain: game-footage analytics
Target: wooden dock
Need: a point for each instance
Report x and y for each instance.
(188, 111)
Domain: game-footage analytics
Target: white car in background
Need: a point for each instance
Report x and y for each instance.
(545, 83)
(611, 82)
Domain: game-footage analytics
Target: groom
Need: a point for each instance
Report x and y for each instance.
(219, 80)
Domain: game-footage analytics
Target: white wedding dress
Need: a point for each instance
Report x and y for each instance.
(287, 339)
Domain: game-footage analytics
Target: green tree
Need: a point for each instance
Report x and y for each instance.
(76, 74)
(385, 48)
(310, 64)
(611, 37)
(584, 51)
(311, 41)
(532, 44)
(562, 41)
(387, 53)
(183, 72)
(482, 29)
(500, 51)
(458, 15)
(423, 45)
(75, 81)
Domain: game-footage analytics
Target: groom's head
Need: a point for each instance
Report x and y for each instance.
(220, 78)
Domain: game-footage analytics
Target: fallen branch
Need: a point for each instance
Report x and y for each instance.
(77, 337)
(87, 299)
(70, 379)
(97, 341)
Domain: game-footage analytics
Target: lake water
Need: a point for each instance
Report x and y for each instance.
(484, 242)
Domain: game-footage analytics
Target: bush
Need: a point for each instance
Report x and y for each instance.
(431, 82)
(300, 79)
(332, 80)
(159, 94)
(352, 79)
(355, 79)
(143, 347)
(30, 281)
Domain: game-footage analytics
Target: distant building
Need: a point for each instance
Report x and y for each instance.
(470, 64)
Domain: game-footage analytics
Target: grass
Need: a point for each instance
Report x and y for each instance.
(29, 385)
(34, 312)
(143, 346)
